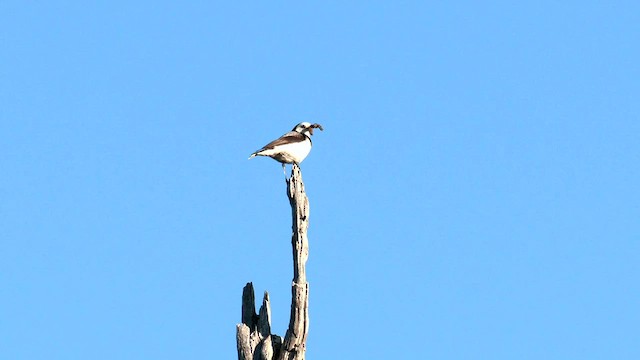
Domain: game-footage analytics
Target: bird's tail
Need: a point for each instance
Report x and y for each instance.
(252, 156)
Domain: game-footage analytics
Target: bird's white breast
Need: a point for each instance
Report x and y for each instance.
(289, 153)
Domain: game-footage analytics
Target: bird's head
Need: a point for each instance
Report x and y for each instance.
(307, 128)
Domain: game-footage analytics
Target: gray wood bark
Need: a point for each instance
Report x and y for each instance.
(253, 336)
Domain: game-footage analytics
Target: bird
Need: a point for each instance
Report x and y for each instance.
(292, 147)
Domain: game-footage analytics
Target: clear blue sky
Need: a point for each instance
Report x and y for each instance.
(475, 193)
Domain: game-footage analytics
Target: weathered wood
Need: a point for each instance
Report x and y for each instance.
(253, 336)
(295, 340)
(243, 342)
(249, 316)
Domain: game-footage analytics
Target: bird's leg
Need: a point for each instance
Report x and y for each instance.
(284, 170)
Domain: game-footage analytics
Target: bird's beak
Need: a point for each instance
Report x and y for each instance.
(315, 126)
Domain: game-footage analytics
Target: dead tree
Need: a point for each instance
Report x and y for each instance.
(253, 336)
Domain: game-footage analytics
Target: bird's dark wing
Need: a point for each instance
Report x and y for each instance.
(290, 137)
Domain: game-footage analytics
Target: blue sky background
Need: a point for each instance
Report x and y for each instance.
(475, 193)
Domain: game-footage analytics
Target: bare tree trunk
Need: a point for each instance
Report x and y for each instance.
(253, 335)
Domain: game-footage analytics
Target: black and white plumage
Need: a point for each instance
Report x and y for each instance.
(292, 147)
